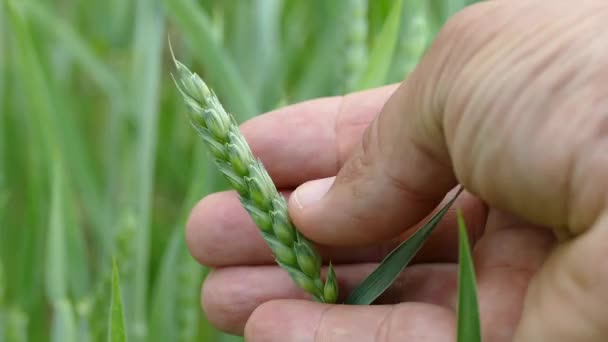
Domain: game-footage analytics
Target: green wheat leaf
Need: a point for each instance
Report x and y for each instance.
(386, 273)
(63, 328)
(116, 332)
(163, 309)
(56, 258)
(382, 50)
(218, 64)
(16, 325)
(468, 311)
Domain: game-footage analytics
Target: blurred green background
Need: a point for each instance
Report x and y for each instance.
(97, 159)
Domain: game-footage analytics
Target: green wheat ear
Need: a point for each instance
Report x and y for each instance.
(258, 194)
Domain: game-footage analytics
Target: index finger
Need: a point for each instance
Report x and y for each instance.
(311, 140)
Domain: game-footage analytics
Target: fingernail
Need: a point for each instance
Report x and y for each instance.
(311, 192)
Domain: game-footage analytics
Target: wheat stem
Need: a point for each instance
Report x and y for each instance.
(249, 178)
(356, 42)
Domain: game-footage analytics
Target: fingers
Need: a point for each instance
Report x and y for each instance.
(310, 322)
(506, 258)
(487, 103)
(567, 299)
(231, 295)
(310, 140)
(401, 168)
(528, 82)
(388, 182)
(220, 233)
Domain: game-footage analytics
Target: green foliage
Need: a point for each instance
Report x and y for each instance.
(381, 53)
(96, 159)
(56, 259)
(116, 321)
(388, 270)
(469, 327)
(63, 328)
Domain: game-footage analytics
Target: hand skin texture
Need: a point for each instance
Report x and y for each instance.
(511, 101)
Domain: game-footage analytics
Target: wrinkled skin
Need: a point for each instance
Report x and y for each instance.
(511, 101)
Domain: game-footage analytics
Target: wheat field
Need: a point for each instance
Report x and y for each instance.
(98, 161)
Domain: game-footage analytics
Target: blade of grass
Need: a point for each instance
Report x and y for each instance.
(378, 12)
(356, 43)
(59, 135)
(192, 326)
(190, 277)
(63, 328)
(163, 310)
(16, 325)
(54, 134)
(56, 270)
(72, 42)
(2, 286)
(148, 46)
(25, 250)
(3, 72)
(240, 37)
(469, 327)
(218, 67)
(381, 53)
(414, 38)
(2, 324)
(77, 251)
(321, 71)
(252, 37)
(116, 321)
(268, 85)
(388, 270)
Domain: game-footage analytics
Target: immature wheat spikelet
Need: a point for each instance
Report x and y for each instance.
(249, 178)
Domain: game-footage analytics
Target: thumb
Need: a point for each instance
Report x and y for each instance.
(389, 183)
(400, 170)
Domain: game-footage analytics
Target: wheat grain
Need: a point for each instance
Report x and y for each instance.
(249, 178)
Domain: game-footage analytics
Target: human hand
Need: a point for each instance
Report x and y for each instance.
(508, 102)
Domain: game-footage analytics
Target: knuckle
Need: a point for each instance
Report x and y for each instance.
(261, 323)
(223, 300)
(359, 163)
(213, 296)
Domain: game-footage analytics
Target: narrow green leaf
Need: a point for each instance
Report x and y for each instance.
(469, 328)
(116, 326)
(56, 270)
(381, 53)
(189, 278)
(321, 76)
(77, 46)
(2, 285)
(17, 322)
(163, 311)
(219, 68)
(386, 273)
(414, 37)
(63, 328)
(149, 38)
(2, 324)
